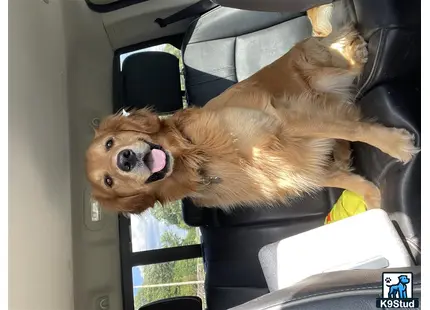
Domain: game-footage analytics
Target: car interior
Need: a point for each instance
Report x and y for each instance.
(74, 62)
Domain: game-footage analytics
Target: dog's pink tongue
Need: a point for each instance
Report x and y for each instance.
(157, 160)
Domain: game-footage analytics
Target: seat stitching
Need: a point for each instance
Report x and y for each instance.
(209, 81)
(302, 14)
(375, 64)
(198, 25)
(414, 244)
(234, 59)
(216, 70)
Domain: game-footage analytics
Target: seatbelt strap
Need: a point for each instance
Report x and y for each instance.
(193, 10)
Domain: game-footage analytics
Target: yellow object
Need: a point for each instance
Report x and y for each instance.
(347, 205)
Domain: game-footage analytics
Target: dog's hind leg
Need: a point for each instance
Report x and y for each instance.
(397, 143)
(356, 184)
(334, 64)
(342, 155)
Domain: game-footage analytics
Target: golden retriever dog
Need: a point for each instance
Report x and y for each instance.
(282, 132)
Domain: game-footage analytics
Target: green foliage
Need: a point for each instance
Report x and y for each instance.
(170, 240)
(170, 214)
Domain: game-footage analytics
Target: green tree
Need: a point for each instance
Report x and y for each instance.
(191, 237)
(170, 214)
(170, 239)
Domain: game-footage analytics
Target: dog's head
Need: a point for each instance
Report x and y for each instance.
(131, 160)
(404, 279)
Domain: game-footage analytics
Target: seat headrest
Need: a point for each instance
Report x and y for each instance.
(174, 303)
(151, 79)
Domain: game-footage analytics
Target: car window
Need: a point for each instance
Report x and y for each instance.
(166, 280)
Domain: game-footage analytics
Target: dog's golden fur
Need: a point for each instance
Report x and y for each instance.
(282, 132)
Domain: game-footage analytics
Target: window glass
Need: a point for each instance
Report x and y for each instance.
(162, 227)
(166, 280)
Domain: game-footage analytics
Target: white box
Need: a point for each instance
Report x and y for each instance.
(365, 241)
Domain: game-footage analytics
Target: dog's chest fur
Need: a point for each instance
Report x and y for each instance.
(250, 159)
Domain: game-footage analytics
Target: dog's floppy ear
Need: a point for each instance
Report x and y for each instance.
(135, 204)
(143, 120)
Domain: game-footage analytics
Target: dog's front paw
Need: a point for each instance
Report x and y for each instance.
(401, 144)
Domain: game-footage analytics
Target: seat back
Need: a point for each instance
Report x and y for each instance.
(175, 303)
(227, 45)
(390, 92)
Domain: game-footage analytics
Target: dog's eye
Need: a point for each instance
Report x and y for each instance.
(109, 144)
(108, 181)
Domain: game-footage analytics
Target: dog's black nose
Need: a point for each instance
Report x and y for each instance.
(126, 160)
